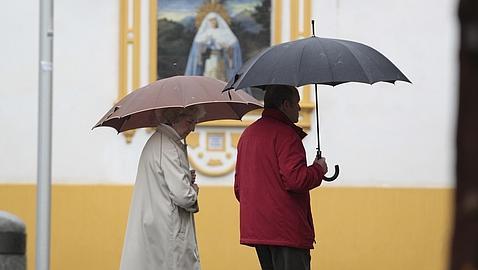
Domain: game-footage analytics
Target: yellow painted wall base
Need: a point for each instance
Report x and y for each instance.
(357, 228)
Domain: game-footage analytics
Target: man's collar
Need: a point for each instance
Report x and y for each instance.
(280, 116)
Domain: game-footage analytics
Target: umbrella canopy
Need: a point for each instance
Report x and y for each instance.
(137, 109)
(316, 60)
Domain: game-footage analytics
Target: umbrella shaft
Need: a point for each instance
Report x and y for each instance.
(319, 154)
(317, 119)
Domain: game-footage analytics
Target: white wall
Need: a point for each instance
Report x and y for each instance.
(393, 135)
(380, 135)
(18, 98)
(84, 82)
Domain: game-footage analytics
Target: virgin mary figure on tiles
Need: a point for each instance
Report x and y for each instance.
(209, 37)
(215, 51)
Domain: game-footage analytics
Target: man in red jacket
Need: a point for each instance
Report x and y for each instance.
(273, 181)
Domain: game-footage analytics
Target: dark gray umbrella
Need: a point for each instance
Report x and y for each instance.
(316, 60)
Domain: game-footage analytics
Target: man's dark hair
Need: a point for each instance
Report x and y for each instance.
(277, 94)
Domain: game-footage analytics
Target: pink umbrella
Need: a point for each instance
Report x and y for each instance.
(137, 109)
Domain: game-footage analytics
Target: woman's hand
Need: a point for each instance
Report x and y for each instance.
(196, 188)
(193, 176)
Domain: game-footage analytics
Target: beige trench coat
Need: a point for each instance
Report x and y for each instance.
(160, 233)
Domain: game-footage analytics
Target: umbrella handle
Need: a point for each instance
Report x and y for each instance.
(333, 177)
(336, 169)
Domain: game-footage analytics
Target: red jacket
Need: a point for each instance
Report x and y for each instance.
(272, 183)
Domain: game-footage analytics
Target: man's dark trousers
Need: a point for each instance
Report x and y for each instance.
(283, 258)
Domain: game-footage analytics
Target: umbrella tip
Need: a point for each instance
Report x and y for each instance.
(313, 28)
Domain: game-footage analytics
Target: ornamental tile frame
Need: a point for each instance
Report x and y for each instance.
(138, 44)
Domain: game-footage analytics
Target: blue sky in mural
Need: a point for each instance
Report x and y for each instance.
(179, 9)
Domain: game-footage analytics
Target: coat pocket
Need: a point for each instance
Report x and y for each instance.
(183, 222)
(179, 223)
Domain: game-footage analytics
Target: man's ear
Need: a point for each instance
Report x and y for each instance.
(285, 103)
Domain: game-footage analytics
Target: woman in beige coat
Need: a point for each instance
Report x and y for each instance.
(160, 233)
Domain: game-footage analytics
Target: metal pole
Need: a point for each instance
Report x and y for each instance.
(44, 136)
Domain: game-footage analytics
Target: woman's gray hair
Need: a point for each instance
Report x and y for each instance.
(174, 115)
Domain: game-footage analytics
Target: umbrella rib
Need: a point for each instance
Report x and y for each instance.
(123, 124)
(183, 96)
(253, 61)
(378, 66)
(300, 63)
(203, 85)
(127, 103)
(328, 62)
(275, 63)
(276, 59)
(361, 65)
